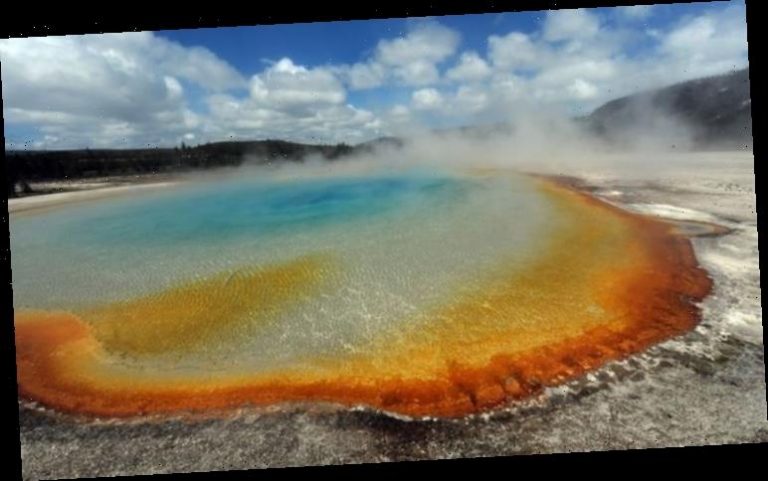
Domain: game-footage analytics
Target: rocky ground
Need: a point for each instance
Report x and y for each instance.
(706, 387)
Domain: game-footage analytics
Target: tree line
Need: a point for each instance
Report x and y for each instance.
(25, 167)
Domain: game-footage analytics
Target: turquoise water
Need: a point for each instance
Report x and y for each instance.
(403, 242)
(253, 209)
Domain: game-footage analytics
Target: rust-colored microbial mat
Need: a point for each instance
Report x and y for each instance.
(602, 284)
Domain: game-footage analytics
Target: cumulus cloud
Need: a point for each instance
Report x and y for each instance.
(427, 41)
(635, 12)
(427, 99)
(471, 99)
(196, 64)
(364, 75)
(107, 90)
(411, 59)
(292, 102)
(577, 61)
(582, 89)
(286, 86)
(515, 50)
(714, 40)
(137, 89)
(710, 43)
(124, 90)
(470, 67)
(570, 24)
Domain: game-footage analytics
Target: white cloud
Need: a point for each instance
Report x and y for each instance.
(400, 110)
(515, 50)
(106, 90)
(635, 12)
(570, 24)
(411, 59)
(134, 89)
(582, 89)
(709, 38)
(173, 87)
(400, 120)
(292, 102)
(566, 70)
(429, 42)
(288, 86)
(286, 66)
(121, 90)
(508, 87)
(330, 123)
(526, 65)
(196, 64)
(471, 99)
(427, 99)
(711, 43)
(576, 63)
(471, 67)
(688, 37)
(365, 75)
(416, 73)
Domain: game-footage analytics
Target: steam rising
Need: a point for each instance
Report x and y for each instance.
(527, 141)
(630, 136)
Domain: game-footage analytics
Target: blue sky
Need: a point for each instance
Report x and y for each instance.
(352, 81)
(316, 44)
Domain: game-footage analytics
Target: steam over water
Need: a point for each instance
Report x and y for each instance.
(395, 245)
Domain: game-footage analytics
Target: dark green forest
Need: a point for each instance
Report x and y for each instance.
(25, 167)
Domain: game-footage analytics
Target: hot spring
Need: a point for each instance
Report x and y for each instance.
(419, 292)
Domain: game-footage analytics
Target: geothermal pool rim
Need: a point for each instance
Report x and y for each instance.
(468, 390)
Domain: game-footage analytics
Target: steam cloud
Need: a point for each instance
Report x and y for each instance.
(529, 140)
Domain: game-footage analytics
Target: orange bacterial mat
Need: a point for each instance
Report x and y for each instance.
(605, 285)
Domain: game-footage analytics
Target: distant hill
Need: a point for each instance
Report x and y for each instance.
(715, 111)
(711, 112)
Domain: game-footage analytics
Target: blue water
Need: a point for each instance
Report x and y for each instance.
(244, 208)
(400, 243)
(120, 246)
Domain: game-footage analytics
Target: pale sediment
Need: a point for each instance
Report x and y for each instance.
(38, 203)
